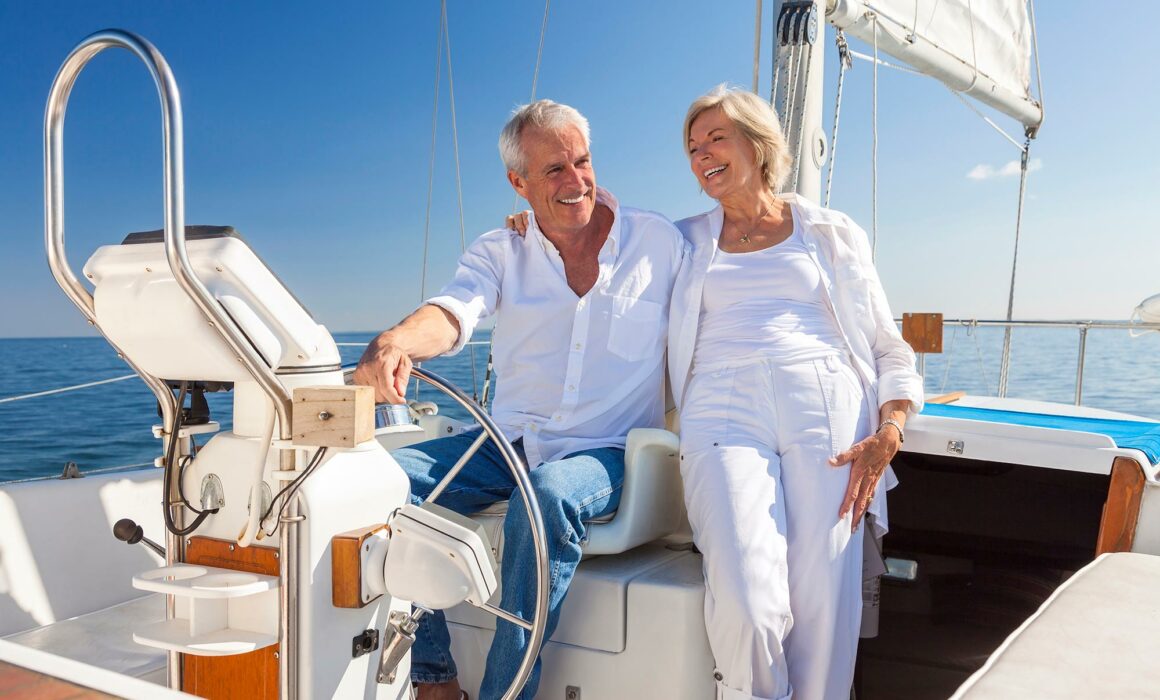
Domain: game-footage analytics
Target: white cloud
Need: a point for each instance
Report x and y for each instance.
(983, 171)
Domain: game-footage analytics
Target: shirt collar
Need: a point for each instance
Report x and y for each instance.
(603, 197)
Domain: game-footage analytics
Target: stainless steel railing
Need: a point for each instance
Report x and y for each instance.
(1083, 326)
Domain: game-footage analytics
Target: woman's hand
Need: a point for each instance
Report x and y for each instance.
(868, 460)
(518, 222)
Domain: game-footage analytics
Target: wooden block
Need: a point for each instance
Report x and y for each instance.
(1122, 509)
(333, 416)
(253, 675)
(346, 567)
(924, 332)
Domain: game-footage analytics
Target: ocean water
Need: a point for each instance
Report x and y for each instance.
(109, 425)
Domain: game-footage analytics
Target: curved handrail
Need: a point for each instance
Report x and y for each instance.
(174, 229)
(54, 113)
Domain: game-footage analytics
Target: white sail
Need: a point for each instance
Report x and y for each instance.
(981, 48)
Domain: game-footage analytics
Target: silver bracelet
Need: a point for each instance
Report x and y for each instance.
(897, 426)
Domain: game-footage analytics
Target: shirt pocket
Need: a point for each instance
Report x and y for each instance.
(854, 286)
(635, 330)
(855, 290)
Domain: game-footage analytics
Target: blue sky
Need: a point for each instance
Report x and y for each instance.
(308, 128)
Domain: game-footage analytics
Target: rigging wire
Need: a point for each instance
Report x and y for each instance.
(540, 49)
(948, 355)
(757, 46)
(458, 175)
(979, 354)
(1038, 75)
(874, 152)
(962, 98)
(844, 64)
(64, 389)
(486, 393)
(1004, 367)
(431, 161)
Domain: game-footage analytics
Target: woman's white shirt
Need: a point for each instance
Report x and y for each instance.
(765, 304)
(851, 290)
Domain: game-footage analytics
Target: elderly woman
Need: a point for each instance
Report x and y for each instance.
(794, 386)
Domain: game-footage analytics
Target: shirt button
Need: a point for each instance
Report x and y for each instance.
(557, 417)
(571, 387)
(580, 304)
(579, 345)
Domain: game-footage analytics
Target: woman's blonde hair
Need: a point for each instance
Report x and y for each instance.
(756, 120)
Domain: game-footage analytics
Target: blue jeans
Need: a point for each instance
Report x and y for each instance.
(571, 491)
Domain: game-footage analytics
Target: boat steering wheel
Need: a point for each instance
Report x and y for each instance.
(536, 626)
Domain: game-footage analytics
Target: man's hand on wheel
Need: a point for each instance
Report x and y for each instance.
(385, 367)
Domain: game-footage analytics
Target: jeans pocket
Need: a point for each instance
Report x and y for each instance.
(844, 400)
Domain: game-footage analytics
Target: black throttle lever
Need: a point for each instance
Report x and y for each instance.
(130, 532)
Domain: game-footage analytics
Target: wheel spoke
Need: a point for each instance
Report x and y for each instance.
(435, 492)
(505, 615)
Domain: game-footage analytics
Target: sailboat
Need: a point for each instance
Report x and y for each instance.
(264, 574)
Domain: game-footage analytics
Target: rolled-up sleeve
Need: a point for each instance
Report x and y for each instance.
(473, 293)
(894, 359)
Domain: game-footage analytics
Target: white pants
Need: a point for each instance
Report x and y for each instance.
(783, 574)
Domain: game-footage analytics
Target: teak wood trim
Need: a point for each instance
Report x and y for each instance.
(19, 682)
(1122, 509)
(253, 675)
(946, 398)
(346, 567)
(924, 332)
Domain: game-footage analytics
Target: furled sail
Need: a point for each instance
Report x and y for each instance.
(980, 48)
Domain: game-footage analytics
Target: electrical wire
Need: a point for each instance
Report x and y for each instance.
(170, 467)
(292, 488)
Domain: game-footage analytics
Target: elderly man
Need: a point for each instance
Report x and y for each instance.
(582, 304)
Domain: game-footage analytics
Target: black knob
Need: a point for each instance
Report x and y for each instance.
(128, 531)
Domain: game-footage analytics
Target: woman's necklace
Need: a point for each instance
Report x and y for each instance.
(746, 236)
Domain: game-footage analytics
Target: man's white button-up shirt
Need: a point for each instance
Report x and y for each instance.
(572, 373)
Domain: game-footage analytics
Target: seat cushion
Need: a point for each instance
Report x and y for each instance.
(1093, 638)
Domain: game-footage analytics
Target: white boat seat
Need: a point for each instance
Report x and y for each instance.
(1093, 638)
(104, 638)
(652, 502)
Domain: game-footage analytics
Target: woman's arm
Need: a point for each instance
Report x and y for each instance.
(894, 360)
(900, 390)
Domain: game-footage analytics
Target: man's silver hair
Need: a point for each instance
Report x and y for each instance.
(542, 114)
